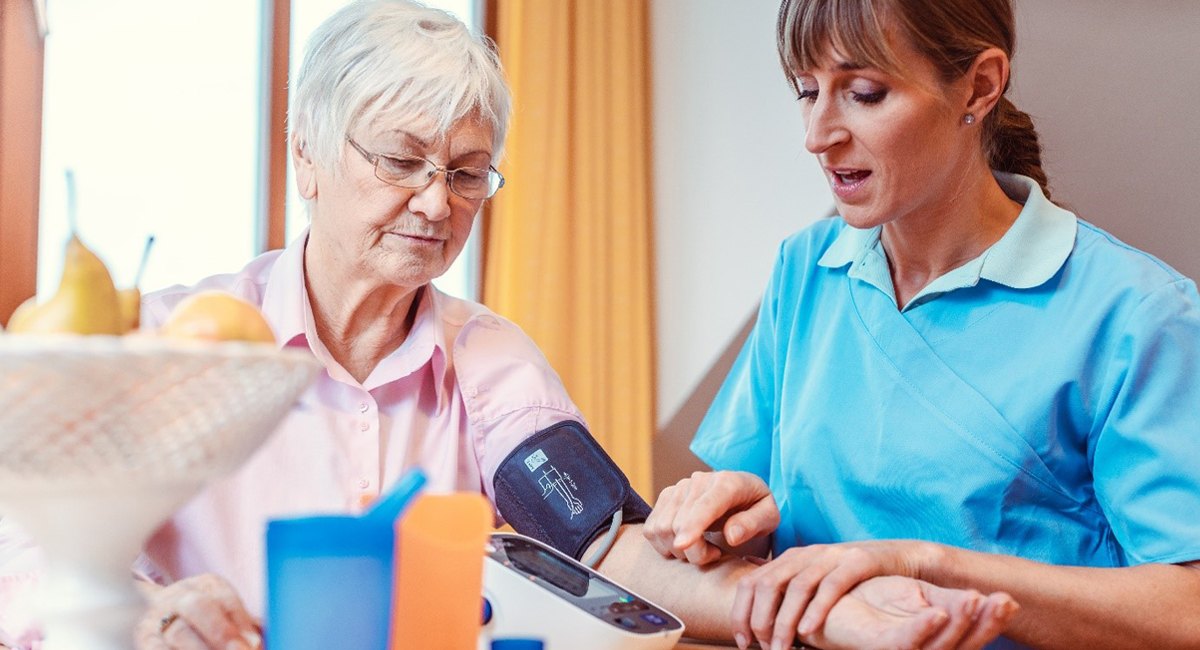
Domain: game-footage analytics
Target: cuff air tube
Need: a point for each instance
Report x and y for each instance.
(559, 487)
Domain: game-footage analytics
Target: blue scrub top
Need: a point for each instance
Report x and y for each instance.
(1042, 400)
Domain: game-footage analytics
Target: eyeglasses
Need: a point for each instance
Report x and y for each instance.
(415, 172)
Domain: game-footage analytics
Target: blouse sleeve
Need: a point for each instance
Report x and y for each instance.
(509, 389)
(1145, 446)
(20, 570)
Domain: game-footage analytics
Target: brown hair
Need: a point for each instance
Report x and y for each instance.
(950, 33)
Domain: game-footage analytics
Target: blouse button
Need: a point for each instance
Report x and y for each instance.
(364, 483)
(364, 425)
(363, 408)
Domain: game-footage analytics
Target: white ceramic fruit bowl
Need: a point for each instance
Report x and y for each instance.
(102, 438)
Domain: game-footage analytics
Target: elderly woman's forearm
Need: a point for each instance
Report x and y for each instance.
(1153, 606)
(701, 596)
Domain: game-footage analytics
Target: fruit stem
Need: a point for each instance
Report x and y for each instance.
(72, 203)
(137, 279)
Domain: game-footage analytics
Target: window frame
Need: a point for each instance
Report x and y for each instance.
(22, 58)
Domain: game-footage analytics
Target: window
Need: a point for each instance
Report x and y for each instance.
(154, 105)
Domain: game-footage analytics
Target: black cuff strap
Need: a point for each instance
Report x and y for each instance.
(561, 488)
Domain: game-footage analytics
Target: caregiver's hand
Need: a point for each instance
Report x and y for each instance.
(200, 613)
(801, 585)
(737, 504)
(897, 613)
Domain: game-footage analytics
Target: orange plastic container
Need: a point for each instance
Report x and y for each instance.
(437, 593)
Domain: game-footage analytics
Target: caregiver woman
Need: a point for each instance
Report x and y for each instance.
(955, 379)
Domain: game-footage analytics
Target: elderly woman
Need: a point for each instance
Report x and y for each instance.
(399, 116)
(955, 378)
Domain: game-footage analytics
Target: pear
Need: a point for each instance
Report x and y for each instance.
(86, 301)
(21, 312)
(217, 316)
(130, 300)
(130, 303)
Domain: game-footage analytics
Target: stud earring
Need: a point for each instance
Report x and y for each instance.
(969, 119)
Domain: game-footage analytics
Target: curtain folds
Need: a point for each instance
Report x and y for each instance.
(568, 249)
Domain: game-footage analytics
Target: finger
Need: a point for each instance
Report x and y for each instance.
(702, 552)
(787, 618)
(705, 502)
(991, 619)
(146, 635)
(833, 586)
(768, 594)
(739, 614)
(684, 489)
(724, 495)
(155, 642)
(659, 527)
(232, 603)
(761, 518)
(800, 575)
(984, 628)
(181, 636)
(666, 495)
(924, 625)
(207, 617)
(962, 620)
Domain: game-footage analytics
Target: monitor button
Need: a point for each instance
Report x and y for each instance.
(627, 623)
(654, 619)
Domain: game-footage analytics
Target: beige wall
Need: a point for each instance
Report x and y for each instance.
(731, 178)
(1113, 85)
(1114, 88)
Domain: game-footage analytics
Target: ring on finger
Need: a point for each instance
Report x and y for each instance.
(166, 622)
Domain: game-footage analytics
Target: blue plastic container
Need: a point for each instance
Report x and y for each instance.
(517, 644)
(329, 583)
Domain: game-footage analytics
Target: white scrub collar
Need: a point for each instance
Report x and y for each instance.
(1029, 254)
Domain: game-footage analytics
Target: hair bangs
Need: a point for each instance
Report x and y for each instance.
(815, 33)
(396, 61)
(444, 86)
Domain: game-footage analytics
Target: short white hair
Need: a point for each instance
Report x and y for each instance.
(381, 58)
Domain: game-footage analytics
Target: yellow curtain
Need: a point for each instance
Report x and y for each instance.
(569, 252)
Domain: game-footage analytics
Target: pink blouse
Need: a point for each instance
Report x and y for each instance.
(462, 391)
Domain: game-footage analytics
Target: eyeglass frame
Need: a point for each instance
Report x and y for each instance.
(373, 158)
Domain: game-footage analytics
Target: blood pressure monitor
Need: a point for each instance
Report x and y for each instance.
(533, 591)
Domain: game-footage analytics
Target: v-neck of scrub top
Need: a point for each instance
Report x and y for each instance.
(1032, 250)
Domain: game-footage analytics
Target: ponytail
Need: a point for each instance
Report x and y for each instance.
(1012, 143)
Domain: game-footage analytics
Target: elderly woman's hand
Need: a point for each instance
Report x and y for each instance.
(796, 591)
(737, 504)
(199, 613)
(897, 613)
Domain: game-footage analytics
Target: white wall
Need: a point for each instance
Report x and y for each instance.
(732, 178)
(1113, 86)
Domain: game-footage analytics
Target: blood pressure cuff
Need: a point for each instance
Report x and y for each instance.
(559, 487)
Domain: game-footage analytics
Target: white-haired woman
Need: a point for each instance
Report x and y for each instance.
(399, 116)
